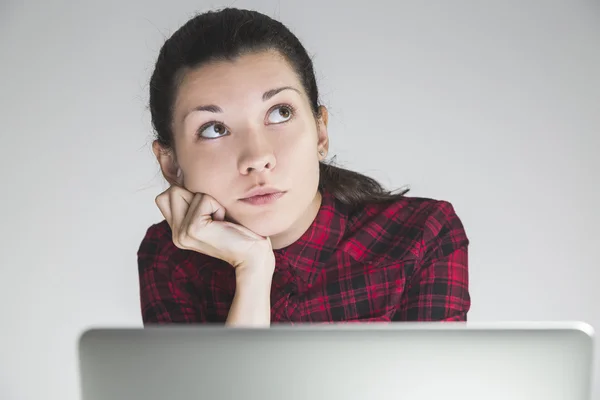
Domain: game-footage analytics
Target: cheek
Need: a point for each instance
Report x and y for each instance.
(296, 158)
(298, 164)
(204, 173)
(298, 149)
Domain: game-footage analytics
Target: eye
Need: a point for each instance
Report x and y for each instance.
(213, 131)
(281, 114)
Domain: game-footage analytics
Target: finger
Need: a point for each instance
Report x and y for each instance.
(192, 217)
(185, 194)
(199, 216)
(219, 215)
(208, 206)
(180, 200)
(164, 205)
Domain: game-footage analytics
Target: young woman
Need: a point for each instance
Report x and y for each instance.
(258, 228)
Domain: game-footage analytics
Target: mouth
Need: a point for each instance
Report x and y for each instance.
(262, 196)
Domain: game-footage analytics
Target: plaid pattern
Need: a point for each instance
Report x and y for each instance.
(403, 261)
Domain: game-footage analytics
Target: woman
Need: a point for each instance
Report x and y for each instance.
(258, 228)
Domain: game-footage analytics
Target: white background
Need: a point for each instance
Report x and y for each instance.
(492, 106)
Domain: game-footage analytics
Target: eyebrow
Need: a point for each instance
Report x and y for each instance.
(270, 93)
(216, 109)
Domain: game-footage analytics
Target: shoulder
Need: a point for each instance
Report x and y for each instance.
(158, 253)
(157, 240)
(405, 227)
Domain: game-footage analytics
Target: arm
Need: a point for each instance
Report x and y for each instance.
(439, 287)
(165, 300)
(251, 306)
(167, 294)
(195, 223)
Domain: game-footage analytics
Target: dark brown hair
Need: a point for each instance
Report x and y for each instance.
(230, 33)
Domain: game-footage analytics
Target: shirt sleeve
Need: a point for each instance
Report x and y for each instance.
(166, 294)
(439, 287)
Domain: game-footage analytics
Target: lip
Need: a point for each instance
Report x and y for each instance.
(262, 195)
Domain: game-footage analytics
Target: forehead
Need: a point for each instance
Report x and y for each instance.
(247, 76)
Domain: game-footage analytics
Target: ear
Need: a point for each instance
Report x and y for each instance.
(322, 133)
(168, 164)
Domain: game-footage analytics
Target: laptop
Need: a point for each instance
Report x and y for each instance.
(416, 361)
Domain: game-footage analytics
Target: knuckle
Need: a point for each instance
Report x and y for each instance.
(182, 237)
(182, 246)
(159, 199)
(192, 229)
(176, 241)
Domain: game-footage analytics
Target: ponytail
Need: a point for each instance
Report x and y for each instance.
(353, 188)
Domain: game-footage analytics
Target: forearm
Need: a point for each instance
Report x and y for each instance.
(251, 306)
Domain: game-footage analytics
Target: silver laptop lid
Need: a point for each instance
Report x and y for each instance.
(435, 361)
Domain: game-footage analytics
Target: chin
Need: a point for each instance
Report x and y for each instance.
(266, 223)
(272, 220)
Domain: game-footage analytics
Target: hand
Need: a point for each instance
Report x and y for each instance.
(198, 223)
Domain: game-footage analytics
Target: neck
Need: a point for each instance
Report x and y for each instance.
(298, 229)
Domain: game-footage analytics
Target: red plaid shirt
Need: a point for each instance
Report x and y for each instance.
(401, 261)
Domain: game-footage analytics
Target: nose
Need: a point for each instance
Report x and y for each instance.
(257, 155)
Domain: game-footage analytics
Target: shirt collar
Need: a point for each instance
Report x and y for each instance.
(321, 239)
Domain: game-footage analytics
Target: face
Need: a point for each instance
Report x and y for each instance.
(246, 125)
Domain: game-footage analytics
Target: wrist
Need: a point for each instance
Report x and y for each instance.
(251, 306)
(251, 279)
(257, 269)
